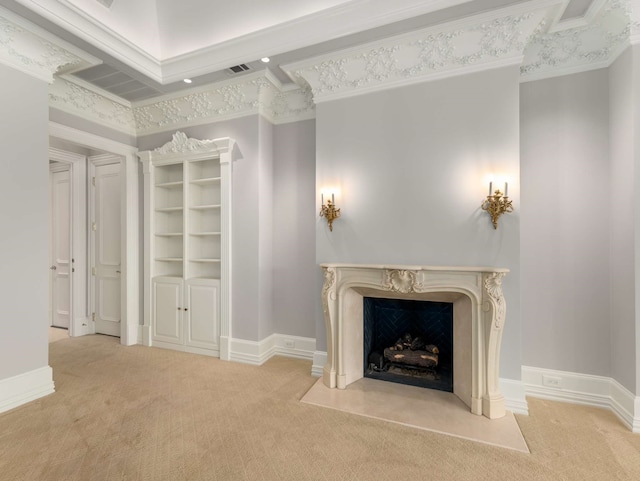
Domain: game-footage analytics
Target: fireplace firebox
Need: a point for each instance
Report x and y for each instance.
(409, 342)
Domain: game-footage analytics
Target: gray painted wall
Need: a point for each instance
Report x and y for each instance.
(624, 165)
(564, 229)
(295, 292)
(412, 166)
(24, 214)
(265, 229)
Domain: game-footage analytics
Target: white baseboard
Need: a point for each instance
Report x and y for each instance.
(584, 389)
(319, 360)
(514, 396)
(258, 352)
(26, 387)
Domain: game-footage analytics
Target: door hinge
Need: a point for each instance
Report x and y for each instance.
(93, 271)
(93, 181)
(93, 316)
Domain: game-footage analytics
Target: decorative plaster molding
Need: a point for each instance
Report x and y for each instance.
(34, 51)
(481, 42)
(585, 47)
(259, 94)
(252, 94)
(92, 105)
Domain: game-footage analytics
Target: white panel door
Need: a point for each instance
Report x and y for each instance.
(60, 249)
(203, 313)
(107, 242)
(167, 310)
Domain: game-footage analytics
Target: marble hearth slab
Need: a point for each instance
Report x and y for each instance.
(427, 409)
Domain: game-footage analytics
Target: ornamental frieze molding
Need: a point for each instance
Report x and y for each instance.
(252, 94)
(258, 94)
(607, 29)
(81, 99)
(481, 42)
(32, 50)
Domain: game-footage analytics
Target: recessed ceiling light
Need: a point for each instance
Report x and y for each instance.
(187, 80)
(265, 59)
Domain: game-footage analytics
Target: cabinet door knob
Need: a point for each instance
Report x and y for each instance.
(186, 309)
(179, 308)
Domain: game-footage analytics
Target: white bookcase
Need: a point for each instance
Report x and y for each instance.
(188, 245)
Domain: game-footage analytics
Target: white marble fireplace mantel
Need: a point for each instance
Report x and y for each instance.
(479, 313)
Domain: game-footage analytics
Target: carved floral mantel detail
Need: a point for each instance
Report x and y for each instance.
(493, 287)
(402, 281)
(479, 316)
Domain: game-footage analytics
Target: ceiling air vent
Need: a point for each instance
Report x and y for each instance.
(238, 69)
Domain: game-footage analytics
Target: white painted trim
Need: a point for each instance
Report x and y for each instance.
(514, 395)
(130, 296)
(319, 360)
(23, 388)
(584, 389)
(259, 352)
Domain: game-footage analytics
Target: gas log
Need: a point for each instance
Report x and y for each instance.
(411, 351)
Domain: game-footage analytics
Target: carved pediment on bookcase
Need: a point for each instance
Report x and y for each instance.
(186, 148)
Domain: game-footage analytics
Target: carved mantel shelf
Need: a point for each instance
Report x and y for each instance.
(479, 316)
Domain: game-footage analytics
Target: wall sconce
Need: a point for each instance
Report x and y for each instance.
(497, 204)
(329, 210)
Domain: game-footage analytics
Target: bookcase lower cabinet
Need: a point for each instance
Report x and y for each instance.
(186, 314)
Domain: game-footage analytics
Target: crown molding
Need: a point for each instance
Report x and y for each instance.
(480, 42)
(91, 31)
(91, 104)
(588, 46)
(34, 51)
(258, 93)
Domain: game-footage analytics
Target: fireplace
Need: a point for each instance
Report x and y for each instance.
(409, 342)
(478, 315)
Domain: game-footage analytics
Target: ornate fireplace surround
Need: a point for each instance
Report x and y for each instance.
(479, 312)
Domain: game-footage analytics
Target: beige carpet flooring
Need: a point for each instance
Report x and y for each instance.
(136, 413)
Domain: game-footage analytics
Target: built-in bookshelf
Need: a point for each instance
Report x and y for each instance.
(187, 244)
(204, 226)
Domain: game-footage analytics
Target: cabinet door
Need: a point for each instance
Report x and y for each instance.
(167, 310)
(203, 313)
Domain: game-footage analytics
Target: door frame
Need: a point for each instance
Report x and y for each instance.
(77, 166)
(129, 215)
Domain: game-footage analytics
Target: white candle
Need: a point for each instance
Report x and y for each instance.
(506, 189)
(490, 188)
(333, 199)
(322, 199)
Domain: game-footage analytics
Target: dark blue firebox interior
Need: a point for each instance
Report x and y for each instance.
(386, 320)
